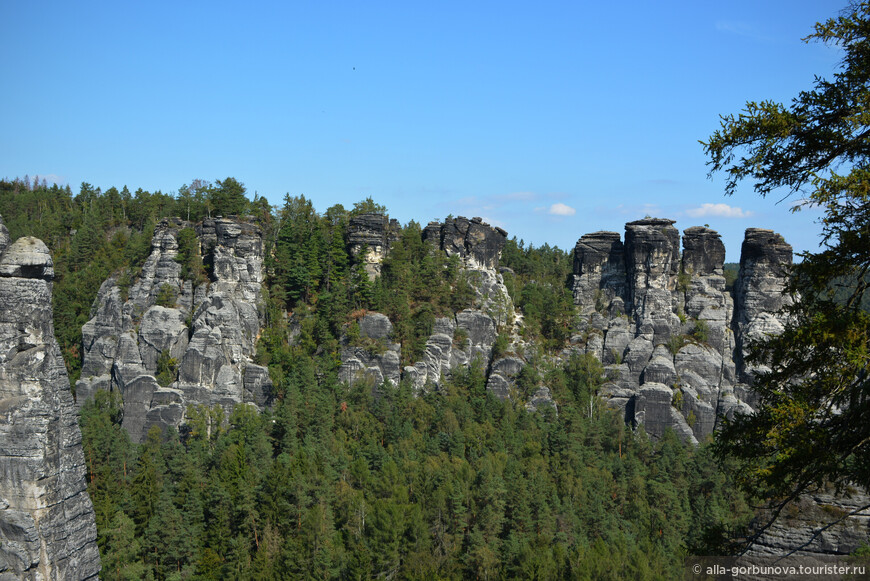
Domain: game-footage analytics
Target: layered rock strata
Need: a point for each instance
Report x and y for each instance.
(202, 338)
(665, 326)
(369, 237)
(764, 261)
(47, 523)
(478, 244)
(818, 523)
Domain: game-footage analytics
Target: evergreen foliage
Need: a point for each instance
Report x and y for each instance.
(333, 483)
(337, 483)
(538, 287)
(810, 428)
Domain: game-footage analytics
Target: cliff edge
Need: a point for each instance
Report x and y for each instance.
(47, 522)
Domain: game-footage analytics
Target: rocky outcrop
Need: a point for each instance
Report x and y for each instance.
(801, 526)
(371, 356)
(478, 244)
(660, 320)
(765, 259)
(456, 341)
(47, 524)
(201, 337)
(369, 237)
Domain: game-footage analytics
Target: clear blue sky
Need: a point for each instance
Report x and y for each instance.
(550, 119)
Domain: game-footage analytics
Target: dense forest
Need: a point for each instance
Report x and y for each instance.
(338, 482)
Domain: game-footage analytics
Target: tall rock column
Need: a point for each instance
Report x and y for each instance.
(652, 250)
(47, 523)
(765, 261)
(599, 271)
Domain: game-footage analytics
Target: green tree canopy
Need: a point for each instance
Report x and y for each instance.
(228, 197)
(810, 427)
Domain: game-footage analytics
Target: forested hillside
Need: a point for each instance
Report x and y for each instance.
(359, 482)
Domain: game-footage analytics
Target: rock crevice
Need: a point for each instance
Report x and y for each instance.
(47, 522)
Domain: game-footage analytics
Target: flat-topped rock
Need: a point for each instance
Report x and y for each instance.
(27, 257)
(477, 243)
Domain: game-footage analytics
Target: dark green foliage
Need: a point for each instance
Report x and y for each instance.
(189, 256)
(167, 368)
(368, 206)
(730, 270)
(538, 287)
(701, 331)
(810, 428)
(227, 198)
(166, 296)
(333, 483)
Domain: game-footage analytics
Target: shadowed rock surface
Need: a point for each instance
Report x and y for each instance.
(478, 244)
(47, 524)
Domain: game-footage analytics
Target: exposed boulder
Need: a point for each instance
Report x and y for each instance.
(540, 400)
(27, 257)
(47, 523)
(654, 409)
(502, 376)
(376, 358)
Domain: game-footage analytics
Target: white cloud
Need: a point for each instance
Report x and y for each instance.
(721, 210)
(560, 209)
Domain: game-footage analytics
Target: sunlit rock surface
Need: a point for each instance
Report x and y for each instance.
(47, 525)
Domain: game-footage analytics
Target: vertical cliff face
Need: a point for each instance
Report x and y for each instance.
(666, 328)
(478, 244)
(369, 237)
(764, 258)
(200, 339)
(47, 526)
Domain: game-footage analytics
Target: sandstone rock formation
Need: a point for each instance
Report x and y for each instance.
(206, 336)
(666, 328)
(47, 525)
(369, 237)
(376, 358)
(456, 341)
(802, 526)
(477, 243)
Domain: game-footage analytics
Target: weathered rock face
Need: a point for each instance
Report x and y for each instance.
(373, 233)
(47, 525)
(661, 321)
(477, 243)
(800, 524)
(209, 332)
(376, 359)
(456, 341)
(764, 261)
(599, 269)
